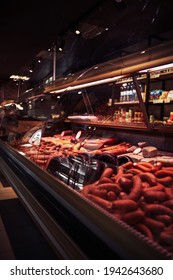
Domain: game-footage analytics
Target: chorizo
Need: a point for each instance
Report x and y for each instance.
(120, 172)
(149, 177)
(155, 226)
(157, 209)
(169, 192)
(110, 187)
(125, 184)
(134, 217)
(134, 171)
(127, 165)
(107, 205)
(158, 187)
(142, 167)
(111, 195)
(144, 230)
(166, 237)
(136, 190)
(163, 173)
(88, 188)
(105, 180)
(168, 203)
(158, 166)
(124, 205)
(100, 193)
(167, 181)
(148, 165)
(167, 220)
(107, 172)
(154, 196)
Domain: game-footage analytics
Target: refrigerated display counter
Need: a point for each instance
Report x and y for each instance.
(76, 227)
(96, 171)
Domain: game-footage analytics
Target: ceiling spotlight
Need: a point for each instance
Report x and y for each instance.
(77, 31)
(39, 61)
(30, 70)
(60, 49)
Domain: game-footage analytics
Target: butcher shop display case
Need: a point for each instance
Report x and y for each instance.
(99, 161)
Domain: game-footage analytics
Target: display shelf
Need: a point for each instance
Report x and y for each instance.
(126, 126)
(127, 103)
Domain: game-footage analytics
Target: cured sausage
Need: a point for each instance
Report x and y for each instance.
(107, 172)
(149, 177)
(134, 217)
(168, 203)
(110, 187)
(163, 173)
(155, 226)
(167, 181)
(125, 183)
(124, 205)
(144, 230)
(136, 190)
(134, 171)
(100, 201)
(157, 209)
(105, 180)
(166, 237)
(154, 196)
(143, 167)
(167, 220)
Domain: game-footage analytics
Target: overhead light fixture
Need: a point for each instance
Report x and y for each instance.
(77, 31)
(39, 61)
(30, 70)
(60, 49)
(17, 77)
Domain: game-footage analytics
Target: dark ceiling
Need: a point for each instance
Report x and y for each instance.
(27, 27)
(108, 29)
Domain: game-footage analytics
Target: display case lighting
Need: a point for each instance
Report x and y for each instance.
(98, 82)
(157, 68)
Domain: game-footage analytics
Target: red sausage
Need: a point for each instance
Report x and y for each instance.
(136, 190)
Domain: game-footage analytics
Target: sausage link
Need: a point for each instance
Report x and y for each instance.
(168, 203)
(155, 226)
(124, 205)
(163, 173)
(167, 220)
(107, 205)
(155, 196)
(167, 181)
(136, 190)
(142, 167)
(144, 230)
(166, 237)
(107, 172)
(157, 209)
(149, 177)
(110, 187)
(134, 217)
